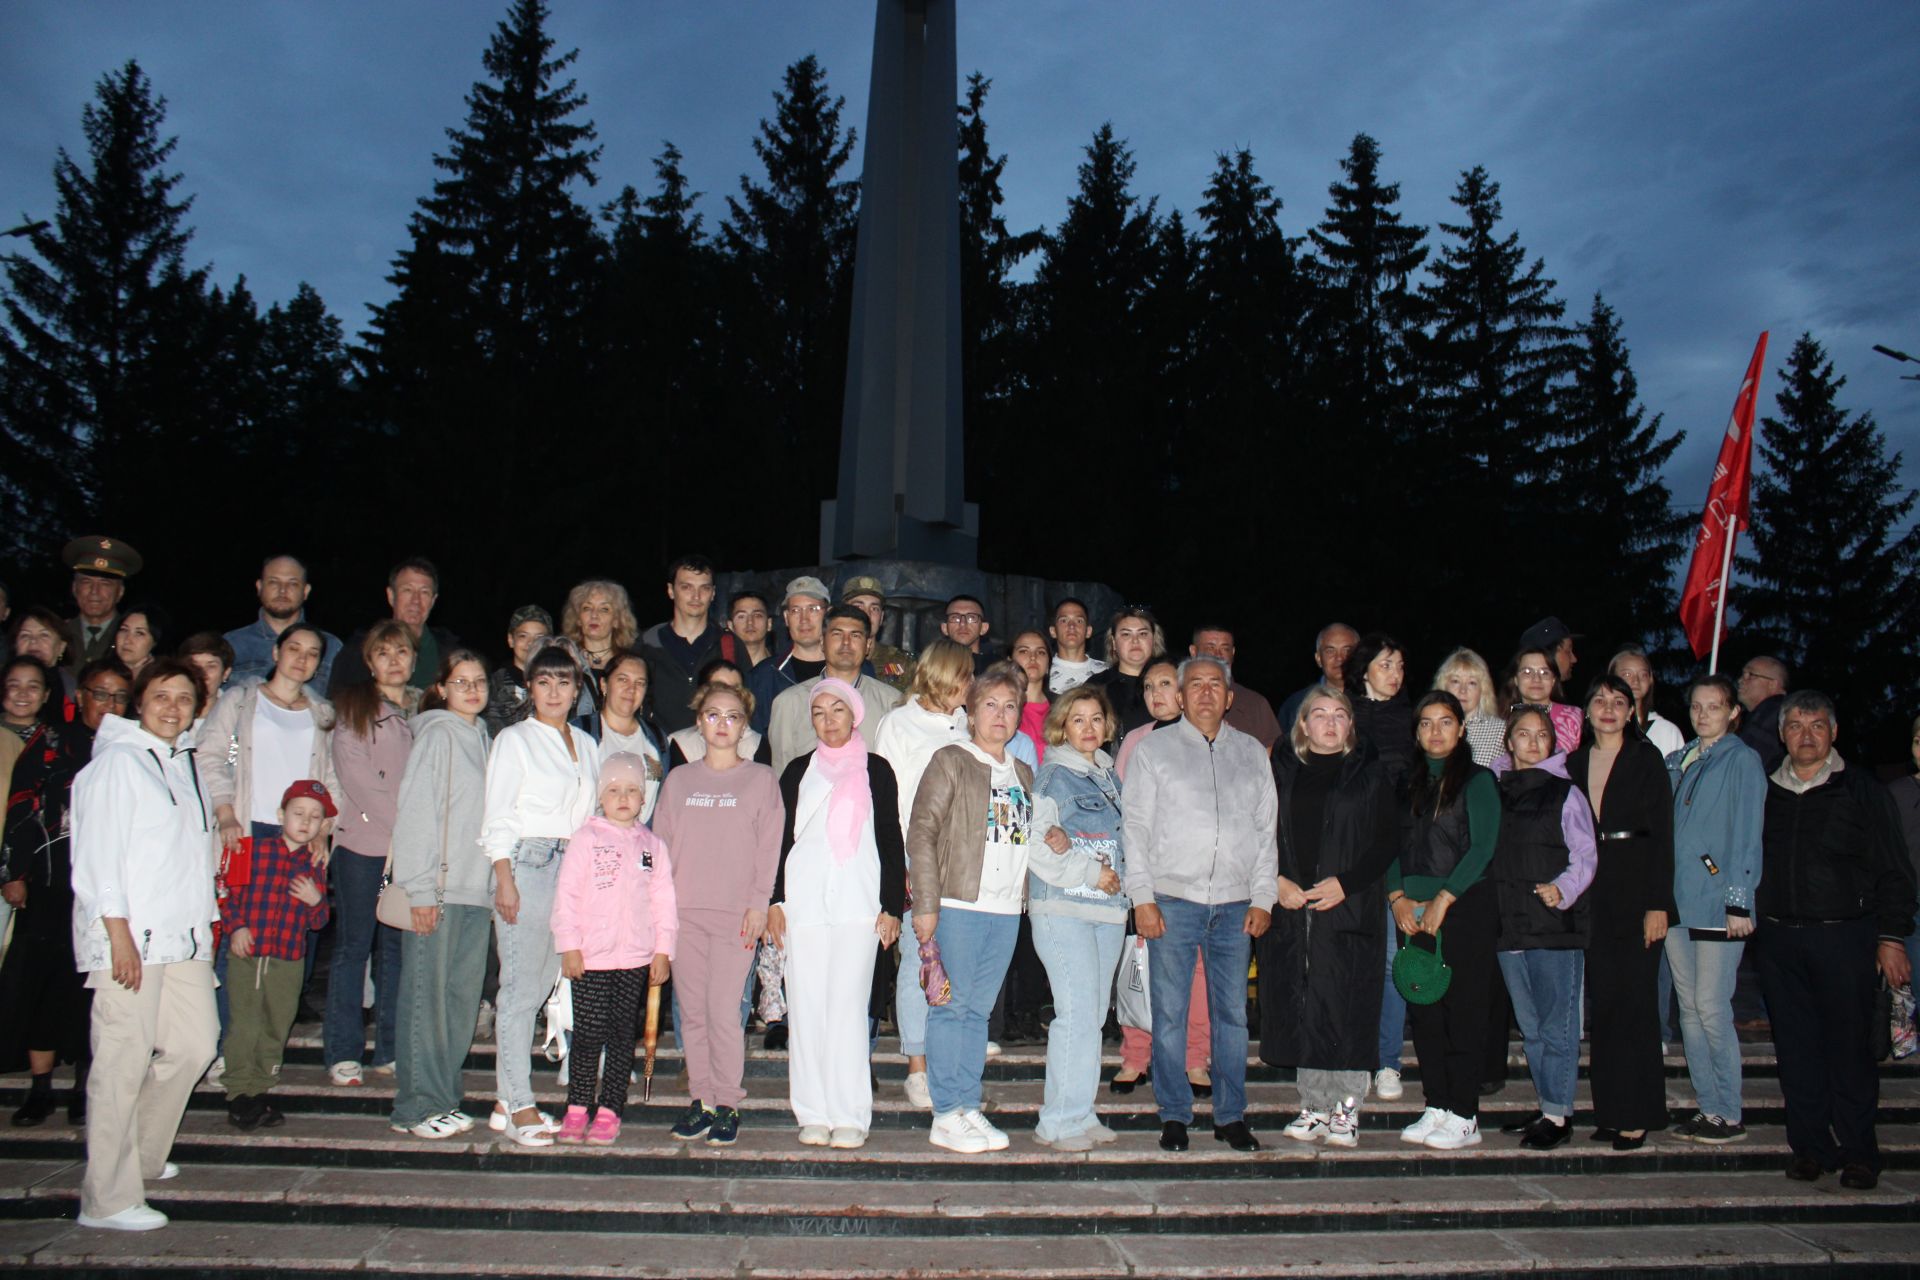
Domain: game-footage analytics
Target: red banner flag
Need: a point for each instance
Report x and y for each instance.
(1703, 600)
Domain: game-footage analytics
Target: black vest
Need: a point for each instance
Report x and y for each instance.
(1532, 850)
(1435, 843)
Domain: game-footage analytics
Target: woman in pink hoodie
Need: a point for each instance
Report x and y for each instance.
(613, 920)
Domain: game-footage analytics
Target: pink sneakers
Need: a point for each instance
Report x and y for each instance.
(606, 1129)
(573, 1129)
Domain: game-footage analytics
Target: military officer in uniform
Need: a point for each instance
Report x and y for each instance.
(101, 567)
(890, 664)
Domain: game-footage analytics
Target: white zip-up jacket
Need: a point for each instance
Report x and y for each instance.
(143, 848)
(1200, 819)
(535, 788)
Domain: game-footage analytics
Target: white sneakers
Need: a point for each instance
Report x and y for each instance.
(1308, 1126)
(967, 1132)
(1067, 1142)
(1387, 1086)
(1417, 1131)
(433, 1128)
(815, 1135)
(848, 1138)
(917, 1092)
(138, 1218)
(1343, 1125)
(1453, 1132)
(993, 1048)
(344, 1074)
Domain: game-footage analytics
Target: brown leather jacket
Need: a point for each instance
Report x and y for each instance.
(947, 836)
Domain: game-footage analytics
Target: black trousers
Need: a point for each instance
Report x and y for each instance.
(1818, 982)
(604, 1001)
(1629, 1069)
(1450, 1035)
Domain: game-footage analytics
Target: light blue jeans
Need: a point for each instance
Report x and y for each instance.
(1703, 978)
(1393, 1009)
(529, 966)
(1218, 934)
(1545, 987)
(975, 949)
(1081, 956)
(909, 1001)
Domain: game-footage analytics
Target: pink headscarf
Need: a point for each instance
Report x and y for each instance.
(849, 793)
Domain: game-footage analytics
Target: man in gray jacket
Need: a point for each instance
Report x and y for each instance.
(1202, 871)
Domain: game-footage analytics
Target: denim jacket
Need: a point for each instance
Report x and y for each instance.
(1717, 809)
(1082, 798)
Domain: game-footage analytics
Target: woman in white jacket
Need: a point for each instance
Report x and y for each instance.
(143, 912)
(935, 716)
(543, 780)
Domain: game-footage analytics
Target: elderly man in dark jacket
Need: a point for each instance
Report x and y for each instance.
(1836, 898)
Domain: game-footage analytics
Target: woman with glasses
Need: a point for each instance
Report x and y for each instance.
(687, 744)
(543, 780)
(721, 818)
(1533, 681)
(1133, 640)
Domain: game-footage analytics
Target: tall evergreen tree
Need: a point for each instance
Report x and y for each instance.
(95, 372)
(1086, 382)
(486, 345)
(1488, 364)
(1364, 263)
(990, 300)
(792, 241)
(1834, 564)
(1617, 534)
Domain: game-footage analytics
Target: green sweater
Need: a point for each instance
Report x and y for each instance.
(1483, 823)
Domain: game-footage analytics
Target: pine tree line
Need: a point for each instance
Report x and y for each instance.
(1238, 412)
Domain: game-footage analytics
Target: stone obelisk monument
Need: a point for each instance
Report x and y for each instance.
(901, 436)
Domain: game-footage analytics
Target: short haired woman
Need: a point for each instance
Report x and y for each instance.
(1464, 674)
(1624, 778)
(967, 851)
(143, 842)
(932, 717)
(840, 889)
(1339, 829)
(1543, 866)
(624, 723)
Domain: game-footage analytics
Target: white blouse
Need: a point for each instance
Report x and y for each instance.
(818, 889)
(535, 787)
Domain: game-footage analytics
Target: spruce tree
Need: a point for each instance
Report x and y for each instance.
(1488, 364)
(96, 377)
(791, 239)
(1833, 558)
(1616, 533)
(1364, 263)
(485, 348)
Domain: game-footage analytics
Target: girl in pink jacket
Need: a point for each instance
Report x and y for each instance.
(613, 919)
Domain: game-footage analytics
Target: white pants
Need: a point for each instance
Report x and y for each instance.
(150, 1047)
(829, 985)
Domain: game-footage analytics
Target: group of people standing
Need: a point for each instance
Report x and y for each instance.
(619, 807)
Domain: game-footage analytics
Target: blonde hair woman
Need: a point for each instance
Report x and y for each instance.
(1466, 676)
(598, 616)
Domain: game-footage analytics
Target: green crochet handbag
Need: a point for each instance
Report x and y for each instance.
(1421, 976)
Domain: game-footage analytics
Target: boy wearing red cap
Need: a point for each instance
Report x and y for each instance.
(267, 918)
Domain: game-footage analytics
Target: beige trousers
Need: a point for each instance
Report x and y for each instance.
(150, 1047)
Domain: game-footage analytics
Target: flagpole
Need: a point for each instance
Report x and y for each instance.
(1720, 602)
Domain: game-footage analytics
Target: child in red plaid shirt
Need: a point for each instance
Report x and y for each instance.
(267, 919)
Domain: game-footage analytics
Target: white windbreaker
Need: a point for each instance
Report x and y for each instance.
(143, 848)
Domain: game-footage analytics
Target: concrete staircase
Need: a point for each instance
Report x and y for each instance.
(336, 1192)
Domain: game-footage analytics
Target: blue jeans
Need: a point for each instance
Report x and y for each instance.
(1703, 978)
(1218, 935)
(1393, 1009)
(356, 936)
(909, 1001)
(529, 966)
(1545, 987)
(1081, 957)
(975, 948)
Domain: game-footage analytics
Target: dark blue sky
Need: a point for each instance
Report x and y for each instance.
(1715, 168)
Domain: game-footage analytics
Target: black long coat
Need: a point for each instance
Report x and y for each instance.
(1635, 875)
(1321, 971)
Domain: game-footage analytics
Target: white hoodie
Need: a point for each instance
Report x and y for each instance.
(143, 841)
(907, 738)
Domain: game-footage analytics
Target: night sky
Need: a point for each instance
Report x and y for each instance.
(1714, 168)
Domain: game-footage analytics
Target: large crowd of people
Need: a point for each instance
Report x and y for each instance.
(758, 794)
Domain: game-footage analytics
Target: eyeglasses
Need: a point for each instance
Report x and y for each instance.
(964, 619)
(112, 697)
(722, 717)
(463, 684)
(1535, 672)
(806, 608)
